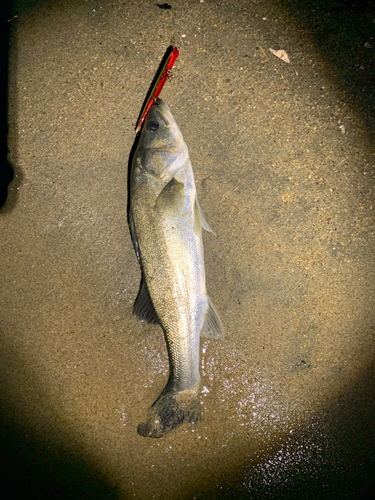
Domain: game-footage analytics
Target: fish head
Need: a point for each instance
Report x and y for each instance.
(162, 150)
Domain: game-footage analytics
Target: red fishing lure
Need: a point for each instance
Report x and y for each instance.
(159, 84)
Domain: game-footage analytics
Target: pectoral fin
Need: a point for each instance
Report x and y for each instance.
(200, 220)
(143, 306)
(172, 199)
(212, 327)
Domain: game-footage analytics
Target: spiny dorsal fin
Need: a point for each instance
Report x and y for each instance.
(212, 327)
(200, 220)
(143, 306)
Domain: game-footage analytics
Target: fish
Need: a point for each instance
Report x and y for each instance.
(166, 224)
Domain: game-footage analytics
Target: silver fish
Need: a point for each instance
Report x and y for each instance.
(166, 226)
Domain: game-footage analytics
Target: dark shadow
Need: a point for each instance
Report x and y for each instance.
(10, 172)
(39, 458)
(329, 458)
(6, 170)
(33, 469)
(344, 33)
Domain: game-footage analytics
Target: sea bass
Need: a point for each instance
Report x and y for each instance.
(166, 227)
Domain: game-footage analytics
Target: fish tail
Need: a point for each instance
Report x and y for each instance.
(170, 410)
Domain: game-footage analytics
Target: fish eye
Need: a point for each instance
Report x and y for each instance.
(154, 126)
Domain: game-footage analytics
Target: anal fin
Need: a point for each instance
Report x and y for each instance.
(212, 327)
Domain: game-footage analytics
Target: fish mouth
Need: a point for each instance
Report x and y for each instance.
(163, 110)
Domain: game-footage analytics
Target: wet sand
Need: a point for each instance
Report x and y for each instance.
(284, 161)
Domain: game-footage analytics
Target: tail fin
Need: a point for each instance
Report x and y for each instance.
(170, 410)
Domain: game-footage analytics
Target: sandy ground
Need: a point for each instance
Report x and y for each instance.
(284, 164)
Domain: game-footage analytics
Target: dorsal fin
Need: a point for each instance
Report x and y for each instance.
(143, 306)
